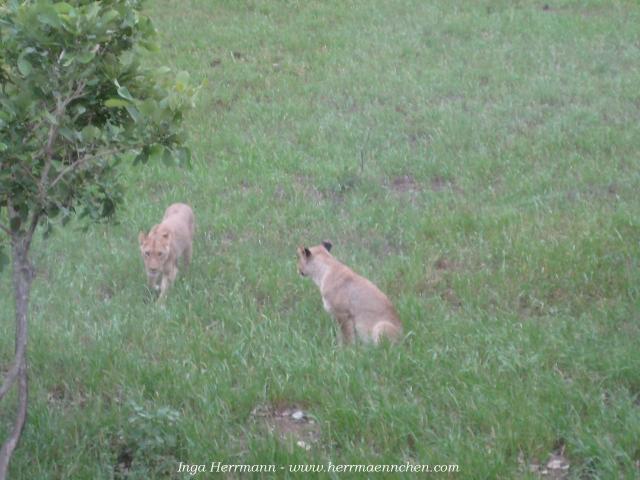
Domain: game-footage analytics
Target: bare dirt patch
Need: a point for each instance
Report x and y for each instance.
(584, 11)
(450, 296)
(62, 395)
(280, 193)
(290, 423)
(446, 264)
(442, 184)
(123, 463)
(609, 191)
(437, 282)
(555, 468)
(439, 183)
(304, 185)
(334, 190)
(221, 105)
(405, 184)
(105, 292)
(530, 306)
(372, 241)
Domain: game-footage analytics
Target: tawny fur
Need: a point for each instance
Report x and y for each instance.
(358, 306)
(165, 244)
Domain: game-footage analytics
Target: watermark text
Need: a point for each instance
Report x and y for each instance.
(407, 467)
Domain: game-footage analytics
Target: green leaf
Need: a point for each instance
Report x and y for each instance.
(49, 16)
(116, 103)
(142, 157)
(63, 7)
(93, 10)
(24, 66)
(53, 120)
(110, 15)
(147, 107)
(167, 158)
(52, 212)
(90, 133)
(124, 93)
(155, 152)
(69, 134)
(133, 112)
(85, 57)
(68, 60)
(183, 76)
(78, 110)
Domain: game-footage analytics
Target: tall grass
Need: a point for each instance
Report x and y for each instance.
(479, 161)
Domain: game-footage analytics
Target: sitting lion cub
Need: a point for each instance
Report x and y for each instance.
(358, 306)
(165, 244)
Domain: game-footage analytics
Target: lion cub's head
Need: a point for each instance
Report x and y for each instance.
(308, 257)
(155, 248)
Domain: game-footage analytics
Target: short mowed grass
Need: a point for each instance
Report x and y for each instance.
(478, 160)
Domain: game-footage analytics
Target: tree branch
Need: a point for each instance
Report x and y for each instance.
(9, 379)
(22, 278)
(32, 128)
(9, 446)
(10, 211)
(68, 169)
(32, 228)
(53, 134)
(5, 229)
(78, 163)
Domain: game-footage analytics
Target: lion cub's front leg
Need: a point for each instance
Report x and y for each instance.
(188, 252)
(168, 277)
(347, 326)
(153, 281)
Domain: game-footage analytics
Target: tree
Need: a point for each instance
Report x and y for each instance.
(75, 102)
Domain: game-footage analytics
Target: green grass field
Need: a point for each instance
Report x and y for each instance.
(478, 160)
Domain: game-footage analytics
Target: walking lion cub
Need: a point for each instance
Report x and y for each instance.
(357, 305)
(165, 244)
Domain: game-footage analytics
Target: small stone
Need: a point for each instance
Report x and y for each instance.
(298, 415)
(558, 464)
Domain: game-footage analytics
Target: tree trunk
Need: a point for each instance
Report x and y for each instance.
(22, 278)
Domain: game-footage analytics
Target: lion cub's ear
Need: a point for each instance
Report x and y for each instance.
(327, 244)
(307, 252)
(142, 237)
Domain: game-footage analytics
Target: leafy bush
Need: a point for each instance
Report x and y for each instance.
(148, 444)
